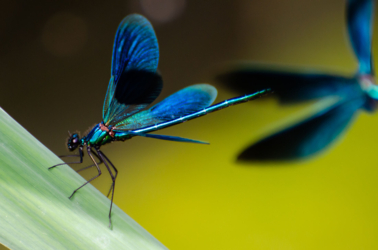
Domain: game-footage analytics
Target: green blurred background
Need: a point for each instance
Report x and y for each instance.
(55, 65)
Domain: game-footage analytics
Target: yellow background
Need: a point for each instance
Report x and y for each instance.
(197, 196)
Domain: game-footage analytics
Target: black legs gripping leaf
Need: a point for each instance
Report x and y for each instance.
(98, 169)
(102, 159)
(74, 162)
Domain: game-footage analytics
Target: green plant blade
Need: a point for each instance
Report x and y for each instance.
(35, 212)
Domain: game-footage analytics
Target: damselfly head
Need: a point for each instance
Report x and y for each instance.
(73, 142)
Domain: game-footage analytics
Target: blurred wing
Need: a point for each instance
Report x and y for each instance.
(290, 87)
(134, 83)
(360, 22)
(183, 102)
(306, 138)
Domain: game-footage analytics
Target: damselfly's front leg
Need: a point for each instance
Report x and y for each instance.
(74, 162)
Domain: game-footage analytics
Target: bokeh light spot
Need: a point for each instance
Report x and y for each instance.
(64, 34)
(162, 10)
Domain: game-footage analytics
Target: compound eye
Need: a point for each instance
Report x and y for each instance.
(74, 140)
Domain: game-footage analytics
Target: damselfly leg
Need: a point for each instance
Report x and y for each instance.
(93, 165)
(98, 169)
(113, 176)
(115, 170)
(74, 162)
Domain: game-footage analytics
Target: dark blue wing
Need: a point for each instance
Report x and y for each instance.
(183, 102)
(290, 87)
(306, 138)
(135, 46)
(360, 22)
(134, 83)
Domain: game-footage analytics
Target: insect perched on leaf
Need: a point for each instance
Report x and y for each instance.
(351, 94)
(133, 85)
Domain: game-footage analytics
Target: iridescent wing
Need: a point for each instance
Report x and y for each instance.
(289, 87)
(360, 23)
(306, 138)
(134, 83)
(183, 102)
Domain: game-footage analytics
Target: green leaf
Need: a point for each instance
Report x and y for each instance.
(35, 212)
